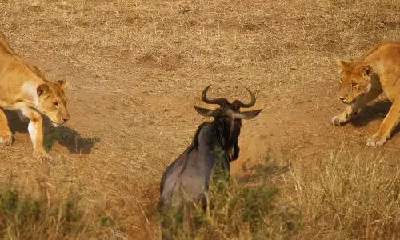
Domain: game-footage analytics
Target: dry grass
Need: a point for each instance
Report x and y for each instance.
(236, 210)
(350, 197)
(26, 217)
(341, 196)
(136, 68)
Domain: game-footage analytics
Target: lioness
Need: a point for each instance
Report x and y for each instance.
(24, 88)
(364, 79)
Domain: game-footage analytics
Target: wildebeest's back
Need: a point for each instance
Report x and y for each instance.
(188, 176)
(170, 177)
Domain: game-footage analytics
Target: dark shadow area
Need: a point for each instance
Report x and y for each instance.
(376, 111)
(62, 135)
(379, 110)
(15, 123)
(261, 171)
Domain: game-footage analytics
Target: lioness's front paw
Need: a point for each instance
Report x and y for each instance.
(6, 140)
(375, 141)
(41, 155)
(339, 120)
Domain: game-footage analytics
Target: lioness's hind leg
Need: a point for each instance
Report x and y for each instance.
(5, 133)
(389, 123)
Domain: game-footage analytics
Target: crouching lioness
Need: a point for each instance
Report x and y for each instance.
(363, 80)
(24, 88)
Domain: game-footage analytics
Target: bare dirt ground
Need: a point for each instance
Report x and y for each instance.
(136, 68)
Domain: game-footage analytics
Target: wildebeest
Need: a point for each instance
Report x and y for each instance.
(215, 143)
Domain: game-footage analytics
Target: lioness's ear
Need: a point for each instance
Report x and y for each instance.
(42, 89)
(367, 71)
(62, 84)
(342, 63)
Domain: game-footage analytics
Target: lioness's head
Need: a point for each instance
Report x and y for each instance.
(354, 78)
(52, 101)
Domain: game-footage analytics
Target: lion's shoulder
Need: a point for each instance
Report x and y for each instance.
(379, 69)
(378, 57)
(382, 52)
(18, 77)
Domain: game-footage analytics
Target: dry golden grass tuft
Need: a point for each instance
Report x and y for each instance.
(347, 196)
(26, 217)
(245, 209)
(341, 196)
(136, 68)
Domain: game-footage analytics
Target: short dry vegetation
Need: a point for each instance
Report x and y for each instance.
(347, 196)
(136, 68)
(26, 217)
(234, 211)
(342, 196)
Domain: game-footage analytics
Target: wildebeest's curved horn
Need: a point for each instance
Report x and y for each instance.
(252, 101)
(219, 101)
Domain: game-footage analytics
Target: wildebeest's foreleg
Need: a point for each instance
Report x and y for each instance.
(236, 150)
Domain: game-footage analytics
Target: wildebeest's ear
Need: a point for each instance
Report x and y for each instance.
(204, 111)
(247, 114)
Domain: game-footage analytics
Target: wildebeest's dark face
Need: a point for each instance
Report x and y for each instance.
(228, 118)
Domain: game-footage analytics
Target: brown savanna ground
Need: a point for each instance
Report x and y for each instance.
(136, 68)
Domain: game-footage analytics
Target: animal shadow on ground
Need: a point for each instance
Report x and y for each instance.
(62, 135)
(376, 111)
(261, 171)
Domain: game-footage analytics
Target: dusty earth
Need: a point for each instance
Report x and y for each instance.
(136, 68)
